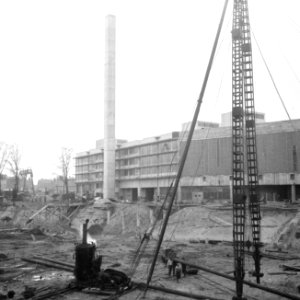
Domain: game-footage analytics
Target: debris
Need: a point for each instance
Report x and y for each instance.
(115, 265)
(36, 231)
(35, 214)
(276, 251)
(271, 256)
(282, 273)
(3, 257)
(2, 297)
(9, 229)
(6, 219)
(290, 268)
(29, 292)
(56, 292)
(189, 295)
(54, 261)
(47, 264)
(10, 294)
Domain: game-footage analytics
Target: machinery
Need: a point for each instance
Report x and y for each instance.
(24, 173)
(243, 144)
(88, 271)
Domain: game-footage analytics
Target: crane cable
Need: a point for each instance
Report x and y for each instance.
(273, 81)
(206, 136)
(185, 131)
(146, 237)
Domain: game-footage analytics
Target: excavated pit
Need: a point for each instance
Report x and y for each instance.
(202, 234)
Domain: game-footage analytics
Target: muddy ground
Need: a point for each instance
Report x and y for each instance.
(118, 248)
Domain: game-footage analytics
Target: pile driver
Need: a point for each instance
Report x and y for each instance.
(244, 150)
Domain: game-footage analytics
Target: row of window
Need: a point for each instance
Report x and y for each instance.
(89, 168)
(157, 171)
(149, 149)
(159, 148)
(89, 177)
(167, 158)
(91, 159)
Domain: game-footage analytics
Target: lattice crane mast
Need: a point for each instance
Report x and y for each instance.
(24, 173)
(243, 138)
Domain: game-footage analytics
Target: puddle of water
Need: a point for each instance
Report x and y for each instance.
(27, 268)
(51, 276)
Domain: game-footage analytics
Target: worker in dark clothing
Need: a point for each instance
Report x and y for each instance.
(178, 272)
(173, 267)
(183, 266)
(170, 266)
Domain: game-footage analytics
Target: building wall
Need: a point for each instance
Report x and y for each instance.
(145, 169)
(227, 117)
(208, 157)
(139, 165)
(276, 153)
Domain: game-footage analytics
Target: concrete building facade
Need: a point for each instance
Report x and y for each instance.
(146, 168)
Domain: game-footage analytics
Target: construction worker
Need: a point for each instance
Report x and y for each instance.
(183, 267)
(173, 267)
(169, 265)
(178, 271)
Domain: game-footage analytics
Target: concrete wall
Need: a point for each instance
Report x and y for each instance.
(275, 152)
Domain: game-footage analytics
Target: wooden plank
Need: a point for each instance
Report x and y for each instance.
(36, 213)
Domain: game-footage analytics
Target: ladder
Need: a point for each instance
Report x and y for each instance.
(238, 165)
(252, 170)
(243, 138)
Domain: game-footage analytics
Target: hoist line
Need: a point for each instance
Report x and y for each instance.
(184, 155)
(273, 81)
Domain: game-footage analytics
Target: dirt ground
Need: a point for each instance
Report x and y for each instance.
(117, 249)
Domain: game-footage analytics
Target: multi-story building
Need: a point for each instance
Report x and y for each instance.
(146, 168)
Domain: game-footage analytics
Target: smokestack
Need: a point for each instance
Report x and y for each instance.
(109, 108)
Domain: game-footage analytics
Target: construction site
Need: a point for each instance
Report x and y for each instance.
(223, 227)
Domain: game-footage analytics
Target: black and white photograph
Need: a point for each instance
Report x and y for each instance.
(150, 149)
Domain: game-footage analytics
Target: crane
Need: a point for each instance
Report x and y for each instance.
(24, 173)
(244, 151)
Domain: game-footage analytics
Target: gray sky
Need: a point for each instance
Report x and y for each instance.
(52, 66)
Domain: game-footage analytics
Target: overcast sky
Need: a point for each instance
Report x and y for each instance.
(52, 67)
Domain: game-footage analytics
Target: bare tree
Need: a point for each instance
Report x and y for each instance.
(14, 163)
(4, 155)
(65, 160)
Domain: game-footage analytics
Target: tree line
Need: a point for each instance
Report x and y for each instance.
(10, 158)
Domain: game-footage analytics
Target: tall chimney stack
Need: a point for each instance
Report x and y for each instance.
(109, 108)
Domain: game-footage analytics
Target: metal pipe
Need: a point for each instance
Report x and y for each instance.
(174, 292)
(84, 232)
(252, 284)
(54, 261)
(51, 265)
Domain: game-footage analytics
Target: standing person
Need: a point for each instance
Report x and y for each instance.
(173, 267)
(178, 271)
(183, 267)
(170, 266)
